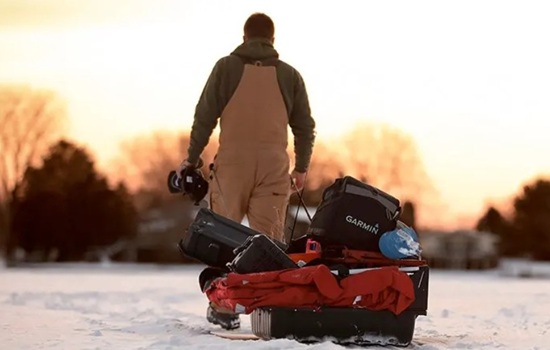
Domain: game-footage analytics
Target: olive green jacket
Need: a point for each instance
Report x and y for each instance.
(222, 83)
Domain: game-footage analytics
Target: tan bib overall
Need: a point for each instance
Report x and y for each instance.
(252, 164)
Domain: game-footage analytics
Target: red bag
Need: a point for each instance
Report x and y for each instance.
(384, 288)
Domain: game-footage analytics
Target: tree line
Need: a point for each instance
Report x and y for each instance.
(56, 206)
(526, 233)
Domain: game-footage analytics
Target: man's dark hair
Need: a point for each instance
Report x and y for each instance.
(259, 25)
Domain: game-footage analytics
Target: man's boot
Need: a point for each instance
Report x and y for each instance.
(225, 319)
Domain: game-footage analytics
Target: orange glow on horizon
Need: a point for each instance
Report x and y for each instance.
(473, 97)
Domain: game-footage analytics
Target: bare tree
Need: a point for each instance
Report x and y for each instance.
(387, 157)
(145, 160)
(30, 121)
(383, 156)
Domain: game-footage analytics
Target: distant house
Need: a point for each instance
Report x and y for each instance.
(461, 249)
(159, 231)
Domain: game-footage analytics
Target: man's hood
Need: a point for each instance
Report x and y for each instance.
(256, 49)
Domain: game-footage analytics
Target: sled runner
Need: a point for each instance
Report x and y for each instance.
(235, 335)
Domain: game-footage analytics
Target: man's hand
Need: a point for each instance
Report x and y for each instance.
(298, 180)
(186, 164)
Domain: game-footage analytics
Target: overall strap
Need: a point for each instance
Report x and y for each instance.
(271, 61)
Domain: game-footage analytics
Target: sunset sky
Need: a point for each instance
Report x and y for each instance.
(469, 80)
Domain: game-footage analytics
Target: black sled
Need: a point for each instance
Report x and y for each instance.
(352, 215)
(346, 326)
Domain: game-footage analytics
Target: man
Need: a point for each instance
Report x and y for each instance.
(256, 97)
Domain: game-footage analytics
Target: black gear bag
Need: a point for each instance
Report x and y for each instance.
(211, 238)
(260, 253)
(353, 214)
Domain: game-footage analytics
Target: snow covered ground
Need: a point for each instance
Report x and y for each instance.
(161, 307)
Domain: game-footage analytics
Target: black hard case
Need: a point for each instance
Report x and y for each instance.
(260, 254)
(346, 325)
(354, 214)
(212, 238)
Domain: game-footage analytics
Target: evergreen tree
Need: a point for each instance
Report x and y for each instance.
(69, 207)
(531, 222)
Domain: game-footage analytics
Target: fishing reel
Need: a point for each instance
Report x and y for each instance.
(190, 182)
